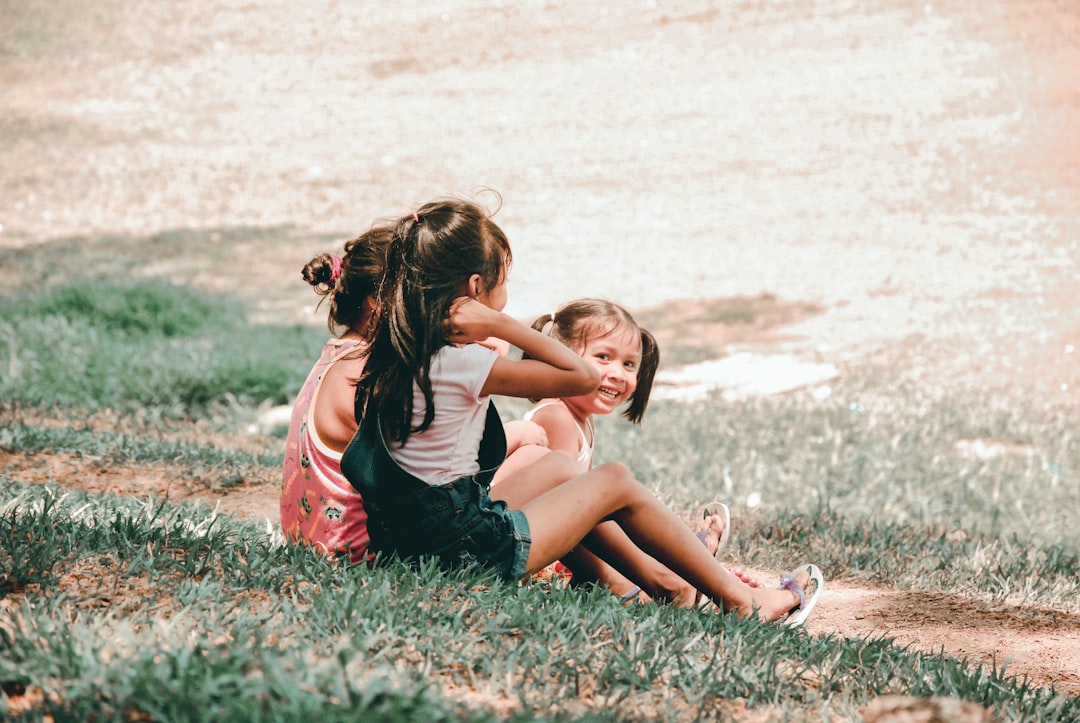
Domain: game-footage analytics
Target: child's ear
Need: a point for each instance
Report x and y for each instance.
(474, 286)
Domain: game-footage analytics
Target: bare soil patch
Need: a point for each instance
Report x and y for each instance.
(689, 330)
(1035, 643)
(255, 500)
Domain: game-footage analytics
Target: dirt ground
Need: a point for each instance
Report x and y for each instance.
(905, 172)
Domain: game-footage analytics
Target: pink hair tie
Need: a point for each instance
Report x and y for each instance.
(416, 217)
(335, 271)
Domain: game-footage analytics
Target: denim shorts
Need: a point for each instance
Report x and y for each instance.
(458, 523)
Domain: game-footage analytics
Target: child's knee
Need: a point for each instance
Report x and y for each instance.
(619, 476)
(616, 470)
(562, 465)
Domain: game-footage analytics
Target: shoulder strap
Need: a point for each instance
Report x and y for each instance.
(344, 351)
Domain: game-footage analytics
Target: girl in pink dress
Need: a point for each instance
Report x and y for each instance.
(318, 505)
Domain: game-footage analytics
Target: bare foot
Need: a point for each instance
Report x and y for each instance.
(631, 594)
(710, 533)
(744, 576)
(773, 604)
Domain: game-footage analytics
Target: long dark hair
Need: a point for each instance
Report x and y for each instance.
(581, 321)
(433, 254)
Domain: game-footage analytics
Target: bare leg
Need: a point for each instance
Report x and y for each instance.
(621, 559)
(661, 583)
(543, 472)
(562, 517)
(532, 470)
(590, 568)
(523, 457)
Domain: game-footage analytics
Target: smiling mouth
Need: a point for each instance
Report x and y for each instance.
(609, 393)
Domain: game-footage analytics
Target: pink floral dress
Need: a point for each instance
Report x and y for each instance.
(318, 505)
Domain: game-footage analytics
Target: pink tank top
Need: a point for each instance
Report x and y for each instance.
(318, 505)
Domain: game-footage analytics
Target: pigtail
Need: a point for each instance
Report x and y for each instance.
(318, 273)
(545, 325)
(650, 362)
(349, 281)
(392, 366)
(541, 322)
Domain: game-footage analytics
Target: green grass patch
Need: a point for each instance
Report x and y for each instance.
(130, 346)
(915, 557)
(211, 619)
(900, 455)
(105, 447)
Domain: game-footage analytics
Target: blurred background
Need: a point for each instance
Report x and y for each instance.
(911, 169)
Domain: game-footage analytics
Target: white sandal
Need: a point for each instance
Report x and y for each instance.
(798, 614)
(716, 508)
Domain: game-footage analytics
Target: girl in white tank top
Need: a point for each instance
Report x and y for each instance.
(625, 355)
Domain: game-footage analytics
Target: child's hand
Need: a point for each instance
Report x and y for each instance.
(497, 345)
(470, 321)
(520, 432)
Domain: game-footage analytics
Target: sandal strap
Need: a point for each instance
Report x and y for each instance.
(787, 582)
(630, 594)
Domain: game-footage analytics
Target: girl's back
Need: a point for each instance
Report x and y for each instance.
(447, 449)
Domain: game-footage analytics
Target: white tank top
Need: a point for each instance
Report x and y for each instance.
(584, 458)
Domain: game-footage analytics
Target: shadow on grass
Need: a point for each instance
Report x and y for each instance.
(184, 255)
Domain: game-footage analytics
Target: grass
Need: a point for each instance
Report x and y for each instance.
(209, 464)
(124, 609)
(181, 615)
(129, 346)
(899, 456)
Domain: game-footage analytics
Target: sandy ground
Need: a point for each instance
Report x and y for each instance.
(909, 170)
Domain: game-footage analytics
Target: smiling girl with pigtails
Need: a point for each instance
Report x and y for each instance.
(627, 357)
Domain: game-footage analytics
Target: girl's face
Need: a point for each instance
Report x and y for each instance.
(617, 357)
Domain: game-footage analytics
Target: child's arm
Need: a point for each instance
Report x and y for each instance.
(552, 370)
(521, 432)
(561, 428)
(498, 346)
